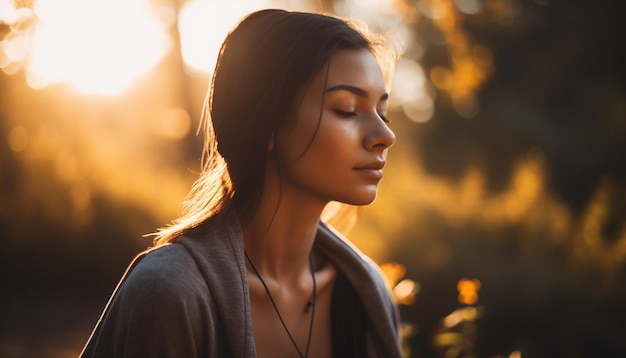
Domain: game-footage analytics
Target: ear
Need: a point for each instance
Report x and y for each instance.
(271, 144)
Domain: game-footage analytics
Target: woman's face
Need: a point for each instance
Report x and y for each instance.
(337, 145)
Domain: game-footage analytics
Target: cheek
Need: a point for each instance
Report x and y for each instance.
(332, 148)
(310, 133)
(335, 140)
(332, 154)
(293, 141)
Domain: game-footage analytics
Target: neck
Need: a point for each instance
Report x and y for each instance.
(280, 245)
(280, 235)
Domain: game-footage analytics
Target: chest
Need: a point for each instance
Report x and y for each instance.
(286, 325)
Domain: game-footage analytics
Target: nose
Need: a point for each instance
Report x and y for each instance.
(379, 136)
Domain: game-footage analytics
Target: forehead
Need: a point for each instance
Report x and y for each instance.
(356, 67)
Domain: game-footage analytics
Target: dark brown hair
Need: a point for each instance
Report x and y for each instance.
(265, 61)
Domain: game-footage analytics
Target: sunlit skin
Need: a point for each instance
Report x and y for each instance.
(342, 161)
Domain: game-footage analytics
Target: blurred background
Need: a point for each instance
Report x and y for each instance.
(503, 205)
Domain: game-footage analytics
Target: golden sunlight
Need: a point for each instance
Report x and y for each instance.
(375, 13)
(13, 44)
(203, 25)
(97, 47)
(412, 92)
(471, 63)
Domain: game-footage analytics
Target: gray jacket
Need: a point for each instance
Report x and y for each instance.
(190, 299)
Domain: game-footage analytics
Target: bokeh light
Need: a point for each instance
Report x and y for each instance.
(412, 92)
(96, 47)
(203, 25)
(506, 168)
(18, 138)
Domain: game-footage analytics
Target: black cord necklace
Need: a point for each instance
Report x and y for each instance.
(310, 304)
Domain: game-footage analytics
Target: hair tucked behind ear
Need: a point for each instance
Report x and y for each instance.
(263, 64)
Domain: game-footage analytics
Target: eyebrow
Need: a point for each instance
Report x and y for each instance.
(356, 90)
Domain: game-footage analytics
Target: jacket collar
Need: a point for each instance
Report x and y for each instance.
(221, 245)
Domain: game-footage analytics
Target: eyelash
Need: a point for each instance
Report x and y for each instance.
(344, 113)
(353, 114)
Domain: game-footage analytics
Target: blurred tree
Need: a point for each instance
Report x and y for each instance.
(530, 105)
(554, 98)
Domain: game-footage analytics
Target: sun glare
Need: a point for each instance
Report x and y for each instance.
(96, 46)
(203, 25)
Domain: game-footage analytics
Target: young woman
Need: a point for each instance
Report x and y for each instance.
(295, 119)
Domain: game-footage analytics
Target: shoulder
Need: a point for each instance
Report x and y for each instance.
(360, 270)
(162, 262)
(161, 307)
(165, 272)
(370, 286)
(346, 255)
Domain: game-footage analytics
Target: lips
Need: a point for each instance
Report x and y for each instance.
(372, 170)
(378, 165)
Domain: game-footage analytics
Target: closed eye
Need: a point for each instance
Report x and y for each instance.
(345, 114)
(349, 114)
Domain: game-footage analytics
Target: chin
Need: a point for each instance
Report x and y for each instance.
(362, 200)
